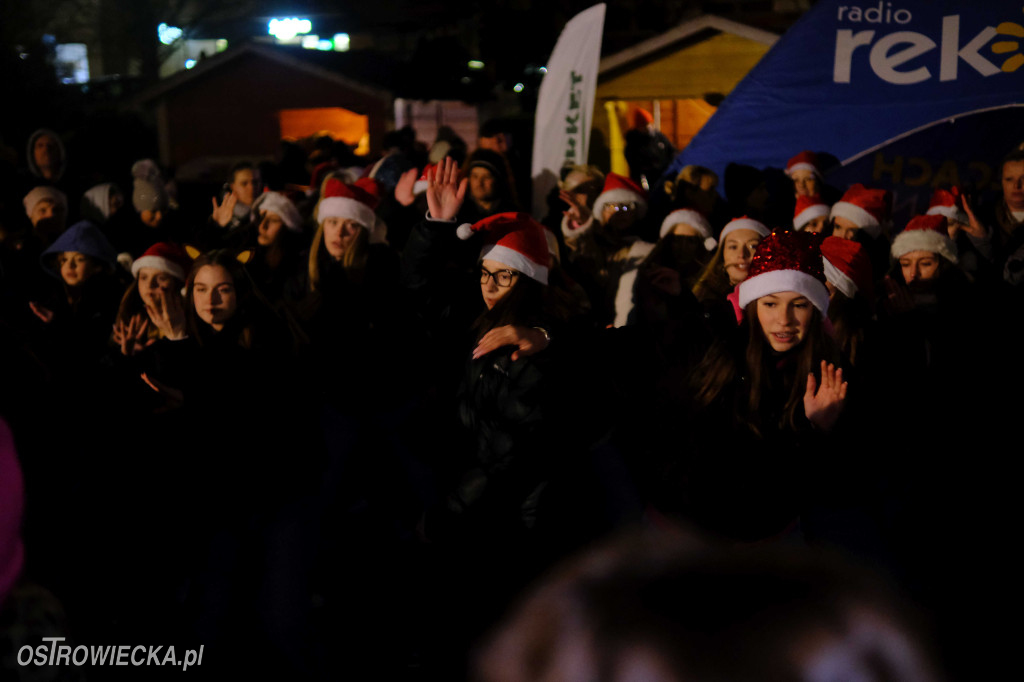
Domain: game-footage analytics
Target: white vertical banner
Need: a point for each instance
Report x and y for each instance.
(565, 103)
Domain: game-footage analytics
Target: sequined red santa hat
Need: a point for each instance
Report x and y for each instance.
(786, 261)
(420, 185)
(865, 208)
(513, 239)
(805, 160)
(744, 223)
(619, 189)
(166, 257)
(354, 202)
(946, 202)
(807, 209)
(847, 266)
(925, 233)
(694, 219)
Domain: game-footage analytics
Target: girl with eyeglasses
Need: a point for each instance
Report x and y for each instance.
(507, 397)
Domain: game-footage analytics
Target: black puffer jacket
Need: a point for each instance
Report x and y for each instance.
(502, 403)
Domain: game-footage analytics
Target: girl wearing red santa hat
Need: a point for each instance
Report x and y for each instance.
(510, 398)
(758, 398)
(851, 294)
(727, 268)
(347, 226)
(152, 308)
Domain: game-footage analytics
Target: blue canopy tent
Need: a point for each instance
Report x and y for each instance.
(854, 76)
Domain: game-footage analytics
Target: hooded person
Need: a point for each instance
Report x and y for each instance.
(47, 210)
(45, 156)
(80, 309)
(85, 238)
(490, 187)
(100, 202)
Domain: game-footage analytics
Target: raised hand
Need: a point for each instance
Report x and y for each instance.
(974, 226)
(898, 299)
(666, 279)
(577, 212)
(131, 335)
(445, 193)
(528, 340)
(225, 211)
(823, 404)
(403, 190)
(174, 396)
(44, 314)
(168, 314)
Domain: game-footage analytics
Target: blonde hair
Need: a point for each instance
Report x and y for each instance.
(353, 260)
(592, 172)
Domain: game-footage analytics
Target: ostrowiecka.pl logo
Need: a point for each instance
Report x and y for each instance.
(51, 652)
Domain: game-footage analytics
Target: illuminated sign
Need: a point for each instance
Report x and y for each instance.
(286, 29)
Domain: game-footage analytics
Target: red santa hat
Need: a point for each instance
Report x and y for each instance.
(847, 266)
(947, 203)
(354, 202)
(619, 189)
(807, 209)
(642, 118)
(744, 223)
(866, 208)
(805, 160)
(165, 257)
(925, 233)
(786, 261)
(515, 240)
(694, 219)
(420, 185)
(282, 206)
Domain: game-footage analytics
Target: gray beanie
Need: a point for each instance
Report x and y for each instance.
(148, 196)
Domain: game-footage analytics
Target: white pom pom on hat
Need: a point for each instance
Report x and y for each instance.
(694, 219)
(514, 239)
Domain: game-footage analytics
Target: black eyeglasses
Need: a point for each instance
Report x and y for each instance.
(503, 278)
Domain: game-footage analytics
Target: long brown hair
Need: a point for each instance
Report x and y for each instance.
(722, 366)
(713, 281)
(849, 317)
(239, 322)
(522, 305)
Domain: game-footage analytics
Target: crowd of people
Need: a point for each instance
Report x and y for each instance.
(334, 426)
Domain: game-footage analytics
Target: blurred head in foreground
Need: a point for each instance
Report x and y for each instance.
(657, 608)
